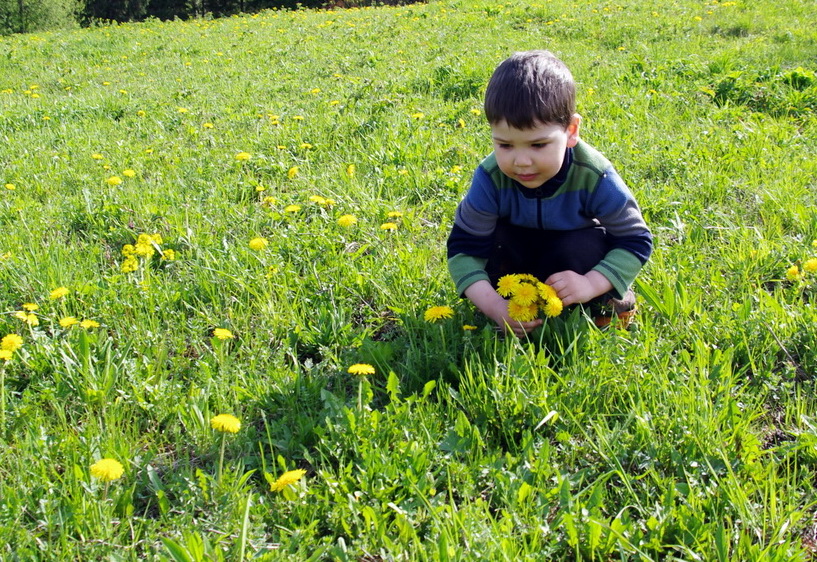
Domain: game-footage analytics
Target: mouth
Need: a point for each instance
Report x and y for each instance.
(526, 177)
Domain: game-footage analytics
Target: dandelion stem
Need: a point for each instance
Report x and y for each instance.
(2, 399)
(442, 337)
(221, 458)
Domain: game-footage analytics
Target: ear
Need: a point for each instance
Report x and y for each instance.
(573, 130)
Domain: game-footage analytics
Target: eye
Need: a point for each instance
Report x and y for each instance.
(503, 145)
(539, 145)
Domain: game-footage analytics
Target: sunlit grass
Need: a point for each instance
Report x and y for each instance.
(226, 216)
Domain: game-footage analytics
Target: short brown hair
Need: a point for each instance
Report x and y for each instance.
(531, 87)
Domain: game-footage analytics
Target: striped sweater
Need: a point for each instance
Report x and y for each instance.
(586, 192)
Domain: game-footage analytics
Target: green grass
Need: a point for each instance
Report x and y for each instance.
(693, 436)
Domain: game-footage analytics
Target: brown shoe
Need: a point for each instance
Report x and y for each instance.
(623, 309)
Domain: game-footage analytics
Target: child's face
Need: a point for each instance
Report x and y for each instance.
(533, 156)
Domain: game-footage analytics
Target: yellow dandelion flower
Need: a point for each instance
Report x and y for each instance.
(553, 307)
(388, 226)
(546, 291)
(58, 293)
(292, 208)
(793, 273)
(525, 294)
(128, 250)
(97, 156)
(361, 369)
(394, 214)
(258, 243)
(418, 115)
(144, 249)
(30, 306)
(269, 201)
(129, 173)
(130, 265)
(507, 284)
(810, 265)
(287, 478)
(11, 342)
(107, 470)
(113, 181)
(468, 327)
(223, 334)
(225, 423)
(297, 117)
(11, 186)
(438, 313)
(6, 355)
(243, 156)
(259, 188)
(350, 170)
(68, 321)
(293, 171)
(208, 125)
(347, 220)
(317, 199)
(522, 312)
(88, 324)
(28, 317)
(306, 145)
(182, 109)
(168, 254)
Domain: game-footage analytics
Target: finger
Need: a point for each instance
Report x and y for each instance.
(568, 299)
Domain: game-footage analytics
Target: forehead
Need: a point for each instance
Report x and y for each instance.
(540, 131)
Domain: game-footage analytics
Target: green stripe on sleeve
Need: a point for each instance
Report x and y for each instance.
(466, 270)
(620, 267)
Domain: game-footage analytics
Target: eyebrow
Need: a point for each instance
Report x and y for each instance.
(531, 141)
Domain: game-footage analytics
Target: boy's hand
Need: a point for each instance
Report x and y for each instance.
(574, 287)
(485, 298)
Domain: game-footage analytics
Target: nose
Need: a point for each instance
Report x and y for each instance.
(522, 159)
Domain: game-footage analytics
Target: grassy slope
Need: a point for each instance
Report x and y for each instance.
(693, 434)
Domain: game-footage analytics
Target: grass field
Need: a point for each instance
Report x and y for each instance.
(225, 216)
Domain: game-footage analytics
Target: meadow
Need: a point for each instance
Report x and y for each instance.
(224, 242)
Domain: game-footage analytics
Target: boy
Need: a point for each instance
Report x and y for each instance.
(545, 203)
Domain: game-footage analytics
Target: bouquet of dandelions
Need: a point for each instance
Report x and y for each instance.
(528, 296)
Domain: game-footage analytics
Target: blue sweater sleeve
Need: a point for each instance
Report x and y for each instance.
(472, 237)
(614, 206)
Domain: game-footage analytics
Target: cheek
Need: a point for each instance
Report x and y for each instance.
(504, 162)
(553, 158)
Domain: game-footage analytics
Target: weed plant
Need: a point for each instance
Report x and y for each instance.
(223, 216)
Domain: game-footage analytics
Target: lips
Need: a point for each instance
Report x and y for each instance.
(526, 177)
